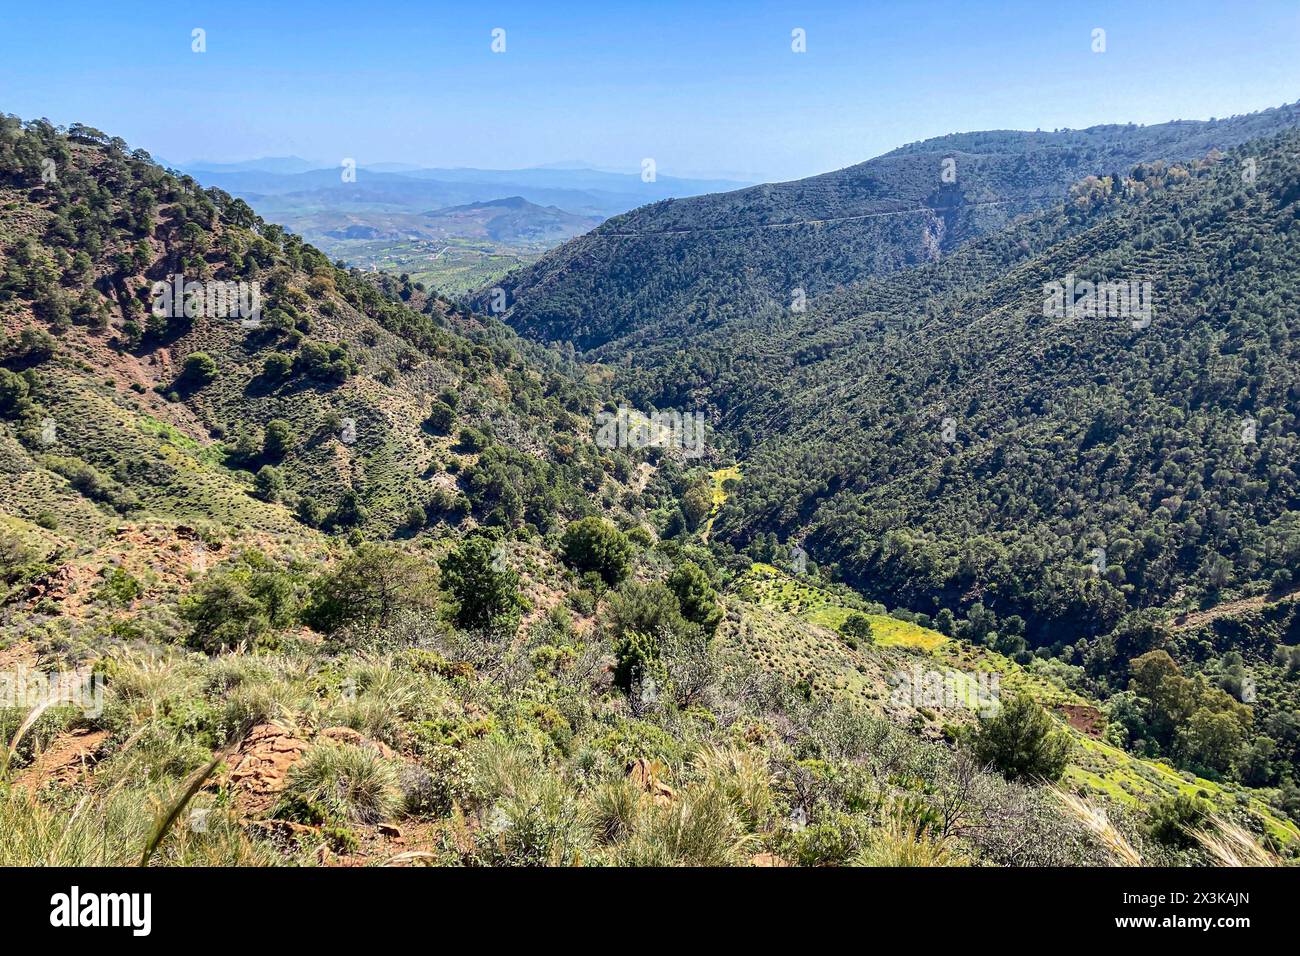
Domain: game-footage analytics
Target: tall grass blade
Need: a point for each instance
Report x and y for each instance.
(1094, 818)
(192, 787)
(21, 732)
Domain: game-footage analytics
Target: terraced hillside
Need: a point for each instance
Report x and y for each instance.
(792, 626)
(645, 283)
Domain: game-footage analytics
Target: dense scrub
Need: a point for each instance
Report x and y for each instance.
(639, 286)
(360, 576)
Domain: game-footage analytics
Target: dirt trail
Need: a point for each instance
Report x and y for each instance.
(1192, 619)
(21, 654)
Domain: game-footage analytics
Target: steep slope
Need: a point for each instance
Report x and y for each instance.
(646, 281)
(791, 626)
(518, 696)
(331, 387)
(943, 442)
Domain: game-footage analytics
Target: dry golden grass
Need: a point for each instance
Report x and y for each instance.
(1092, 816)
(1230, 845)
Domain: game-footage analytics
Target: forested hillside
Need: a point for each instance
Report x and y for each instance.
(1053, 486)
(1060, 484)
(661, 274)
(358, 582)
(353, 401)
(942, 441)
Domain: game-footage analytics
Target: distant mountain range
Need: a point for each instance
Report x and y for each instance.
(286, 165)
(292, 190)
(388, 214)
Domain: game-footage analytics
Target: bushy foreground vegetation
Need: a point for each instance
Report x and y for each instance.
(636, 736)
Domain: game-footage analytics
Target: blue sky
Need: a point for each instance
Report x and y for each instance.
(705, 88)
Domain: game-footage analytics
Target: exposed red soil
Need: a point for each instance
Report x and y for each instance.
(1084, 718)
(66, 761)
(260, 767)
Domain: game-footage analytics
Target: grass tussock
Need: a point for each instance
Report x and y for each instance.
(115, 828)
(1229, 844)
(344, 783)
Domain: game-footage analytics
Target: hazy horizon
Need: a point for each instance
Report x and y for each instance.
(400, 165)
(585, 165)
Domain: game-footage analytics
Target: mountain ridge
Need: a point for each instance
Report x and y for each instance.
(370, 532)
(704, 260)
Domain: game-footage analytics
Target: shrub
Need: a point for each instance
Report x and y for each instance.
(444, 781)
(638, 615)
(542, 823)
(14, 395)
(441, 419)
(328, 362)
(92, 483)
(239, 604)
(199, 368)
(594, 544)
(833, 841)
(277, 366)
(350, 510)
(15, 554)
(471, 440)
(369, 588)
(857, 627)
(1172, 820)
(310, 512)
(1022, 742)
(341, 783)
(119, 587)
(269, 483)
(415, 518)
(485, 588)
(278, 439)
(695, 594)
